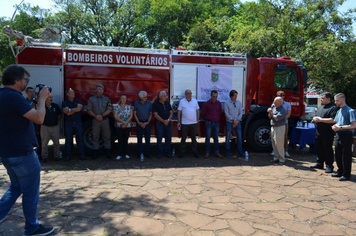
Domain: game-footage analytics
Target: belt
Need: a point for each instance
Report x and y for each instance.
(344, 132)
(142, 121)
(277, 125)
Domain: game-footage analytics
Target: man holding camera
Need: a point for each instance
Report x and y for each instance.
(17, 139)
(99, 107)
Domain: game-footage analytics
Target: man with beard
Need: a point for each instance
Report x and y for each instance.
(17, 139)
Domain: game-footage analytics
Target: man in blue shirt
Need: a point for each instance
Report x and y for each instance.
(17, 139)
(73, 124)
(345, 124)
(278, 114)
(143, 116)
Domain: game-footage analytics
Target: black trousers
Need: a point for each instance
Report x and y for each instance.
(123, 138)
(324, 148)
(343, 153)
(192, 130)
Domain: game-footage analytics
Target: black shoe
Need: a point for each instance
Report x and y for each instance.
(44, 159)
(344, 178)
(147, 156)
(57, 159)
(329, 170)
(169, 156)
(317, 166)
(275, 161)
(43, 231)
(336, 175)
(196, 155)
(159, 156)
(181, 155)
(108, 154)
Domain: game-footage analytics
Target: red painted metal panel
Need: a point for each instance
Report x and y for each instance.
(40, 56)
(117, 81)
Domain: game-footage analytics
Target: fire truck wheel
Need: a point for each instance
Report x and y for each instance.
(259, 135)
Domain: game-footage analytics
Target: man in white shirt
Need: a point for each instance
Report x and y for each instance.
(188, 118)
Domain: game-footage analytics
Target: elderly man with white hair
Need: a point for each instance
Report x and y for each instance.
(188, 118)
(143, 116)
(277, 113)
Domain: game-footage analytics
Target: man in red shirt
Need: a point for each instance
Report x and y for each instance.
(211, 113)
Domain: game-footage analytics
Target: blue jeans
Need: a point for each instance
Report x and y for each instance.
(212, 128)
(24, 173)
(238, 137)
(70, 129)
(140, 132)
(166, 133)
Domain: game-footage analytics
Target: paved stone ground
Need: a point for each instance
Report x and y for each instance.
(190, 197)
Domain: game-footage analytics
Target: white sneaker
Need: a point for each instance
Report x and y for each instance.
(127, 156)
(272, 153)
(118, 157)
(287, 154)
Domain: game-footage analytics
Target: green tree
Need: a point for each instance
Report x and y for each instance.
(103, 22)
(7, 57)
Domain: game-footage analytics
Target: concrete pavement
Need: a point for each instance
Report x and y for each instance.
(190, 197)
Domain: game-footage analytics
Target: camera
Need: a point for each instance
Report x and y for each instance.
(40, 86)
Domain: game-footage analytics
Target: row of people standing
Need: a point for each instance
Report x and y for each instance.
(188, 118)
(143, 111)
(100, 107)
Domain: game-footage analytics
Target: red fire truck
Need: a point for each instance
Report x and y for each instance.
(130, 70)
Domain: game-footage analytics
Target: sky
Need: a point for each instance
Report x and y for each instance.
(7, 7)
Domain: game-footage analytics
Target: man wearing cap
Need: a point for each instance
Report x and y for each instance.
(99, 107)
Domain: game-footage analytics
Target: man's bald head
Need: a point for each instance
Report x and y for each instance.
(278, 101)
